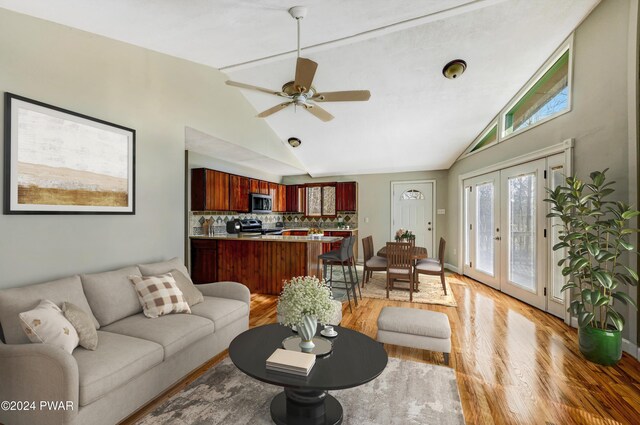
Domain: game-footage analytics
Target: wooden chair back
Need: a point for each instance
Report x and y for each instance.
(367, 246)
(399, 255)
(441, 251)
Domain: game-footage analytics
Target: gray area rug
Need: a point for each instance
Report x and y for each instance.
(405, 393)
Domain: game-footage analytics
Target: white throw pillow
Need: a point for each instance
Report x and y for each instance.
(46, 324)
(159, 295)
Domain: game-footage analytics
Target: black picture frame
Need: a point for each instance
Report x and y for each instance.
(58, 161)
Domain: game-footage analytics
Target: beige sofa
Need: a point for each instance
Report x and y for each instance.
(137, 358)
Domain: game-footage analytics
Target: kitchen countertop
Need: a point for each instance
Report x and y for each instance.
(271, 238)
(328, 229)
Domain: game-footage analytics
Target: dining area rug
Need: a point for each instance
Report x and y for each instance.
(412, 393)
(430, 288)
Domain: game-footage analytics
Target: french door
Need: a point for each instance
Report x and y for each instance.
(507, 236)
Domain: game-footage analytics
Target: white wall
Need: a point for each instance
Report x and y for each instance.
(598, 121)
(374, 201)
(153, 93)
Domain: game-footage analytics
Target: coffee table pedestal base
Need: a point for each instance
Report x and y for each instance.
(305, 407)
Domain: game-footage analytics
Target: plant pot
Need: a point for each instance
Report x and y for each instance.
(307, 330)
(600, 346)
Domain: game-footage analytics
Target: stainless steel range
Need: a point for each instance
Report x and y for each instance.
(252, 226)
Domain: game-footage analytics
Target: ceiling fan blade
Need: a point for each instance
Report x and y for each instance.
(319, 112)
(342, 96)
(250, 87)
(305, 71)
(273, 110)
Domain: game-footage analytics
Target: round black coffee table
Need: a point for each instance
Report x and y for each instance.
(355, 360)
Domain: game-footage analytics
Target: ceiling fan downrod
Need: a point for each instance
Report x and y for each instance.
(298, 13)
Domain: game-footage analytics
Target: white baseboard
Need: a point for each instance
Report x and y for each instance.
(630, 348)
(451, 267)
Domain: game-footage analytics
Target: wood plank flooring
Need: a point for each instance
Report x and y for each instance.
(514, 363)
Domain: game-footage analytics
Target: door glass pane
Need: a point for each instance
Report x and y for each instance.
(329, 200)
(557, 179)
(484, 228)
(314, 201)
(467, 229)
(522, 231)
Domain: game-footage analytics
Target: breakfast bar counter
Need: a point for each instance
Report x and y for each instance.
(261, 262)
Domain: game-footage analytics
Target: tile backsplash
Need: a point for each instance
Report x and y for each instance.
(197, 218)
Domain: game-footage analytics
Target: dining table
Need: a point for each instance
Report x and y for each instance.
(419, 253)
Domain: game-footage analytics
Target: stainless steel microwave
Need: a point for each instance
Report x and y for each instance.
(260, 204)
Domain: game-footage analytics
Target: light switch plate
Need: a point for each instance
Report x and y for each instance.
(441, 211)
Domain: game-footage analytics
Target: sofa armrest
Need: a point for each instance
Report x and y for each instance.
(233, 290)
(35, 373)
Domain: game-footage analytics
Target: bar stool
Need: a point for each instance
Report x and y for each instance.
(340, 257)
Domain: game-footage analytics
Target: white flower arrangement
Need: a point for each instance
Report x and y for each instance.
(404, 234)
(305, 296)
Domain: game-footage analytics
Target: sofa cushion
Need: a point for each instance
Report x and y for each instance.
(174, 331)
(111, 294)
(164, 267)
(46, 324)
(117, 360)
(191, 294)
(16, 300)
(83, 324)
(221, 311)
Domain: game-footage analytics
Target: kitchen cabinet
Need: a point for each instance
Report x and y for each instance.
(263, 187)
(295, 233)
(209, 190)
(239, 193)
(295, 198)
(280, 200)
(204, 266)
(321, 200)
(273, 192)
(347, 196)
(254, 186)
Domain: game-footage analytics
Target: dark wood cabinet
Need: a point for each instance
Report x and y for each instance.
(280, 200)
(204, 264)
(209, 190)
(273, 191)
(347, 196)
(239, 193)
(295, 198)
(264, 187)
(254, 186)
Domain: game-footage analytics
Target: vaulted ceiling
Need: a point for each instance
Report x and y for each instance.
(415, 120)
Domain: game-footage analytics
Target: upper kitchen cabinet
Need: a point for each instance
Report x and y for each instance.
(280, 200)
(347, 196)
(264, 187)
(321, 200)
(239, 200)
(295, 198)
(209, 190)
(254, 186)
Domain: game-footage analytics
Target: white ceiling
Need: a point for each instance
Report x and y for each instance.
(416, 119)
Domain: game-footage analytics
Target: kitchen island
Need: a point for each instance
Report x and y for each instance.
(261, 262)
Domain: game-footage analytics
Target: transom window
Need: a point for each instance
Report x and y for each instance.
(489, 138)
(412, 194)
(548, 96)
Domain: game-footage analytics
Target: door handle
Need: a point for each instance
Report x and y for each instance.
(497, 238)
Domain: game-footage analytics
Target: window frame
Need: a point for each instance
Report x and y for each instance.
(565, 47)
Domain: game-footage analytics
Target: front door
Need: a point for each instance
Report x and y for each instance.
(412, 209)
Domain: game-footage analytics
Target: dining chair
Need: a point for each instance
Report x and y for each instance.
(353, 262)
(372, 263)
(400, 265)
(433, 266)
(340, 257)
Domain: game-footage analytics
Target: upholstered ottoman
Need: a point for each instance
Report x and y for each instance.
(411, 327)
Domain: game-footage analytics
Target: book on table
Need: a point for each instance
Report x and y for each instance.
(293, 362)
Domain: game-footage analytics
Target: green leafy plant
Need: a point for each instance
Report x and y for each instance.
(595, 236)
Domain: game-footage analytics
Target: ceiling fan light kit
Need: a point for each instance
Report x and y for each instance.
(300, 91)
(454, 69)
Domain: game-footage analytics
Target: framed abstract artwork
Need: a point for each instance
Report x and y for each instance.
(61, 162)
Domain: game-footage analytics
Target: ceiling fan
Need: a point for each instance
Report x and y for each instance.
(300, 91)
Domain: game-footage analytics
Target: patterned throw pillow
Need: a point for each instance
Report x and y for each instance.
(83, 325)
(159, 295)
(47, 324)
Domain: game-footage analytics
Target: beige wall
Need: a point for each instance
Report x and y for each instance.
(598, 121)
(153, 93)
(374, 201)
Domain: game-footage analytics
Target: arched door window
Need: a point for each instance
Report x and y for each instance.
(411, 195)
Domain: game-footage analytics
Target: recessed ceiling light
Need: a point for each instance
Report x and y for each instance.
(454, 69)
(294, 142)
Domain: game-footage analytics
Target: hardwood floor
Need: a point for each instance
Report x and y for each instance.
(514, 363)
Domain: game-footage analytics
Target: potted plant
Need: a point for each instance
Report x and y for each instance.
(303, 302)
(595, 236)
(404, 235)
